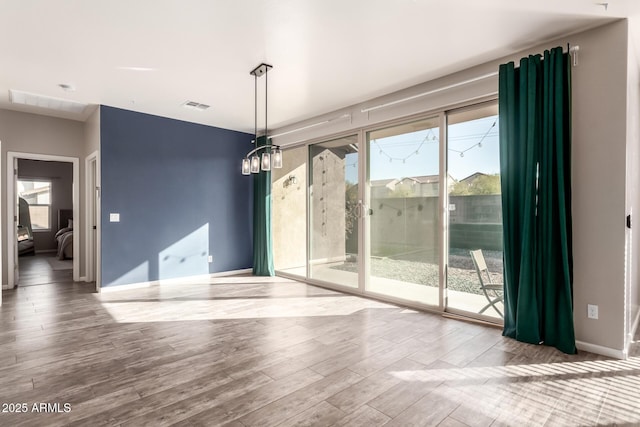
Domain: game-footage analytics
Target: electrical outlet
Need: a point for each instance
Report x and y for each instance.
(210, 258)
(592, 311)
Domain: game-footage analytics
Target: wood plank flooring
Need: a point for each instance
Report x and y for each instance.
(248, 351)
(36, 270)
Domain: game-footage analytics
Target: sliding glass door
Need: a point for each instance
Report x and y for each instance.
(403, 182)
(474, 273)
(415, 215)
(334, 211)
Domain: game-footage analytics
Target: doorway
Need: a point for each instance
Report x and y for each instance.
(49, 218)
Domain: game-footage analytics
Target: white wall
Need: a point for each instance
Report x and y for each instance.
(31, 133)
(92, 133)
(633, 182)
(599, 149)
(599, 172)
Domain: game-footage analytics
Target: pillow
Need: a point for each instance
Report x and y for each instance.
(62, 231)
(70, 224)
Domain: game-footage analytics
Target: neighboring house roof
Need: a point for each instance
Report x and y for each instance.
(473, 176)
(424, 179)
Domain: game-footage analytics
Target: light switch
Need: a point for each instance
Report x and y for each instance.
(114, 217)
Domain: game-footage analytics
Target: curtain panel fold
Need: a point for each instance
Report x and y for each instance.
(535, 160)
(262, 241)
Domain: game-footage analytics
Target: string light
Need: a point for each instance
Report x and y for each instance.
(477, 144)
(431, 138)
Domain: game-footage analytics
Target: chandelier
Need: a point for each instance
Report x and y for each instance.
(271, 154)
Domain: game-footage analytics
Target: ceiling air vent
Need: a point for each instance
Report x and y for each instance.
(49, 102)
(195, 105)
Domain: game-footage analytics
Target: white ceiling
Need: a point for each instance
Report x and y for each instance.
(326, 54)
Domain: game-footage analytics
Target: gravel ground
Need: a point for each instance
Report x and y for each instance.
(461, 275)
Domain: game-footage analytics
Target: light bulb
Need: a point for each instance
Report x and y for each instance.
(255, 164)
(266, 162)
(276, 158)
(246, 166)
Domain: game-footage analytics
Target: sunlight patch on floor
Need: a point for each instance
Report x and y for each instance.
(203, 308)
(594, 392)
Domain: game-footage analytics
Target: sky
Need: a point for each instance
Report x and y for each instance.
(416, 153)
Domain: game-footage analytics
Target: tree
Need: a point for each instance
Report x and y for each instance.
(478, 185)
(401, 191)
(351, 203)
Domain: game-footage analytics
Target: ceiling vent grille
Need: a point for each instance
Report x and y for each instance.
(195, 105)
(49, 102)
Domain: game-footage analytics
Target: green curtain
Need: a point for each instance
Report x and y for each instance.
(262, 243)
(535, 160)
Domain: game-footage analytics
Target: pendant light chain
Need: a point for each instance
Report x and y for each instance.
(255, 106)
(266, 105)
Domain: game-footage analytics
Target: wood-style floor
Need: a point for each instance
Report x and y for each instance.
(245, 351)
(36, 270)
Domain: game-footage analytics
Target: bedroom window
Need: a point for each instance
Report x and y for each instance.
(38, 196)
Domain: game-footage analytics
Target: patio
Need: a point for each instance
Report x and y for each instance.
(402, 276)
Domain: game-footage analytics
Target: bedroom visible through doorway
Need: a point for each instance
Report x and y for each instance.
(42, 204)
(45, 222)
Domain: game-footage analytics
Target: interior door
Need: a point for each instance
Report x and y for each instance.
(94, 225)
(13, 236)
(93, 220)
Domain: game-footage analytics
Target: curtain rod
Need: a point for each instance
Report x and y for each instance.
(430, 92)
(344, 116)
(573, 50)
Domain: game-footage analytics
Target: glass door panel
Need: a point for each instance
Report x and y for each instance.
(475, 212)
(403, 191)
(289, 217)
(333, 211)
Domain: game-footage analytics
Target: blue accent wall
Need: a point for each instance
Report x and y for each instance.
(180, 194)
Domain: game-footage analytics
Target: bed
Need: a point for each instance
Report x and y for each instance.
(64, 236)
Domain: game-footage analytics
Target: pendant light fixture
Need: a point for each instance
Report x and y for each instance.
(271, 155)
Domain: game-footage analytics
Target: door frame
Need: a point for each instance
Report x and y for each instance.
(92, 192)
(12, 238)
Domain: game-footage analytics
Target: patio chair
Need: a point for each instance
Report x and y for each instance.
(494, 292)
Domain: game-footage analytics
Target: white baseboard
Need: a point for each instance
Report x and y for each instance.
(232, 272)
(128, 286)
(82, 279)
(604, 351)
(176, 281)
